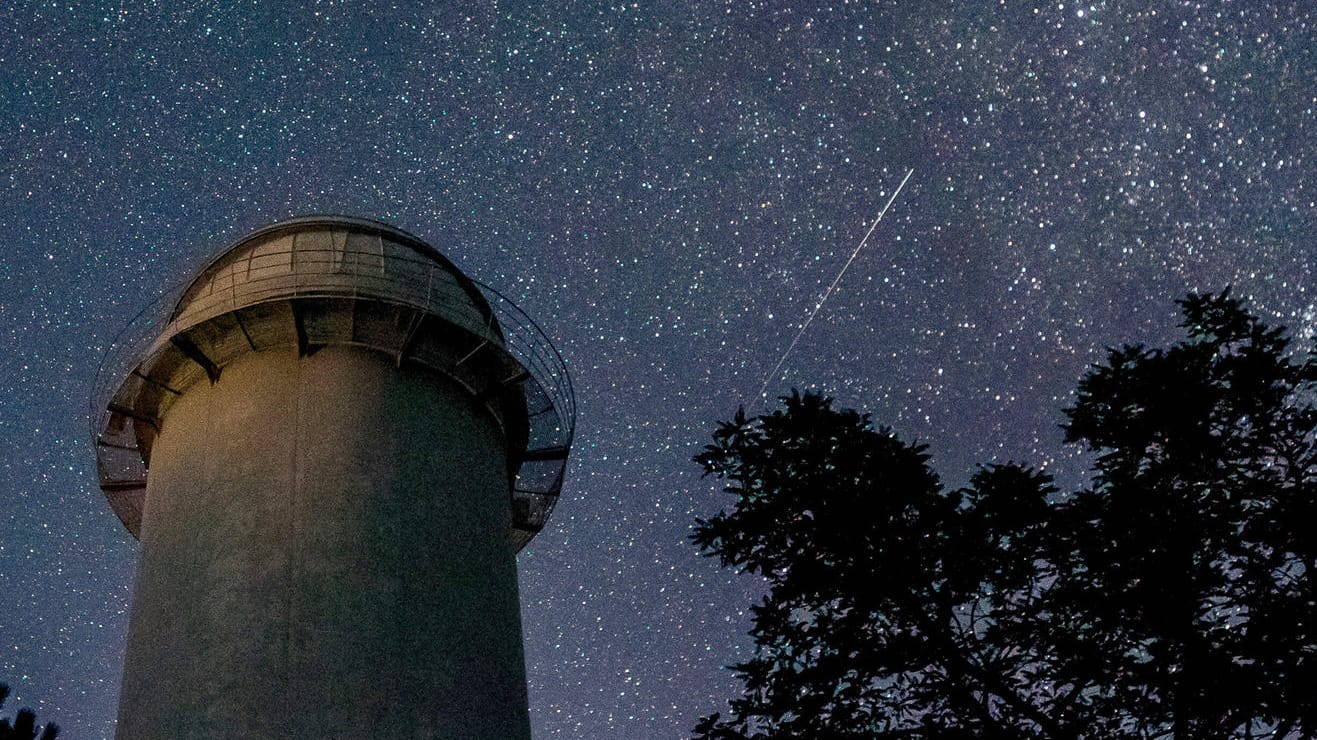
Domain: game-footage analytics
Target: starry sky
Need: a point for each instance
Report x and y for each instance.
(669, 188)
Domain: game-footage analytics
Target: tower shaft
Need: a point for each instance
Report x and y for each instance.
(325, 554)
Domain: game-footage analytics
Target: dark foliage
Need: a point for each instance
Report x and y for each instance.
(24, 726)
(1174, 596)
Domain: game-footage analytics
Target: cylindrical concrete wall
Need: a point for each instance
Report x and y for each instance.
(325, 555)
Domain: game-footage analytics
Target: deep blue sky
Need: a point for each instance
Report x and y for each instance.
(668, 188)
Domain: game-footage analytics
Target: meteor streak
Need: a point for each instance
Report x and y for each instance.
(832, 287)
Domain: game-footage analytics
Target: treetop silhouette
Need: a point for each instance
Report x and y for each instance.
(24, 726)
(1171, 596)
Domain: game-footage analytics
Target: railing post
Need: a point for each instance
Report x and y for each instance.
(429, 286)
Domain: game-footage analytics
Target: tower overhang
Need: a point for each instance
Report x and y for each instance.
(320, 281)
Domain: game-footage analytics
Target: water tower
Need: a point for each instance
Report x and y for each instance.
(331, 444)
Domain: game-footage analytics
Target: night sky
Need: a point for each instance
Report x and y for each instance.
(668, 188)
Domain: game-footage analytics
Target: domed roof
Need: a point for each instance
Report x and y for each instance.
(330, 256)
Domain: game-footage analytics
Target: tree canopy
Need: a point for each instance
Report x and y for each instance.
(1172, 596)
(24, 726)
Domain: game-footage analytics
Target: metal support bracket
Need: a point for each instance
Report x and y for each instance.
(189, 348)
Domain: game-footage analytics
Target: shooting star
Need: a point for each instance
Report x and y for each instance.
(769, 377)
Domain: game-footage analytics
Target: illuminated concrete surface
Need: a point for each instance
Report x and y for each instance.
(316, 560)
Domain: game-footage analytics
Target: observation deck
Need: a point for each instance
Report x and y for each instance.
(332, 280)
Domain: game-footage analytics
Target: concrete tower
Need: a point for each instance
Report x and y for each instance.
(348, 441)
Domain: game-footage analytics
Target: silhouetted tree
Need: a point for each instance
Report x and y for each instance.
(1173, 596)
(1189, 563)
(24, 726)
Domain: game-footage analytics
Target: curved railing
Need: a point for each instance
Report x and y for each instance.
(551, 412)
(403, 278)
